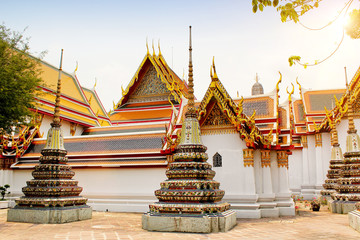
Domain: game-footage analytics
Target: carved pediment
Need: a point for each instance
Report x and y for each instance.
(150, 88)
(216, 117)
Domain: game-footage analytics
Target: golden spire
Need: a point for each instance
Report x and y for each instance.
(191, 104)
(350, 109)
(56, 120)
(55, 140)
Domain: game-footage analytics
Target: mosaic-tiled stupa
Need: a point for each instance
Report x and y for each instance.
(190, 200)
(336, 161)
(348, 187)
(52, 196)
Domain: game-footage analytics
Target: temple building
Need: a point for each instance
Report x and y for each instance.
(263, 150)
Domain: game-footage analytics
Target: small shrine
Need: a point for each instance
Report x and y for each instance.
(348, 188)
(190, 200)
(52, 196)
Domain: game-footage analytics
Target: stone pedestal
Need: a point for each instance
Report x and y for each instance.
(342, 207)
(49, 215)
(195, 224)
(354, 220)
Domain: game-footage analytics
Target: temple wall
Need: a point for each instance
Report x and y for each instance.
(112, 189)
(231, 175)
(312, 160)
(326, 154)
(295, 171)
(65, 126)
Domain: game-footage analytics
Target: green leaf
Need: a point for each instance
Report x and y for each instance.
(255, 8)
(261, 7)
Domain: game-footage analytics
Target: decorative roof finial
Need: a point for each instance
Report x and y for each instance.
(191, 104)
(213, 65)
(153, 48)
(56, 120)
(159, 47)
(350, 109)
(76, 68)
(147, 47)
(257, 78)
(95, 84)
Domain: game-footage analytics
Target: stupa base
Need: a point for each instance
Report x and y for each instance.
(342, 207)
(195, 224)
(49, 215)
(354, 219)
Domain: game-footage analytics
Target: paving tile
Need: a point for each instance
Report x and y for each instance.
(124, 226)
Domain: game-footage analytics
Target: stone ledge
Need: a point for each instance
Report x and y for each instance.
(49, 215)
(342, 207)
(354, 220)
(202, 224)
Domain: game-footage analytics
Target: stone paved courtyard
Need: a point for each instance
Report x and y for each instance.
(104, 225)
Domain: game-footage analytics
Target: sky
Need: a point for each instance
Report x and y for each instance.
(108, 41)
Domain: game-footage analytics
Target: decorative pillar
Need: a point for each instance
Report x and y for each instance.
(305, 161)
(283, 165)
(266, 172)
(249, 171)
(318, 163)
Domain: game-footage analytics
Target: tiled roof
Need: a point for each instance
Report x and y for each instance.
(99, 162)
(97, 107)
(124, 129)
(143, 143)
(74, 105)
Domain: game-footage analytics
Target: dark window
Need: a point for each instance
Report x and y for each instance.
(217, 160)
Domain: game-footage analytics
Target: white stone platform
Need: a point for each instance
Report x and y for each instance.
(342, 207)
(194, 224)
(354, 220)
(49, 215)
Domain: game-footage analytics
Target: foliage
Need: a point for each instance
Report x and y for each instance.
(19, 79)
(353, 27)
(4, 191)
(291, 10)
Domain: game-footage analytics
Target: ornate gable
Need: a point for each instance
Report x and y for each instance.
(218, 107)
(150, 88)
(216, 117)
(154, 80)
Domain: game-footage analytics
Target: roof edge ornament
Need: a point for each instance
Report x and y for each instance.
(147, 47)
(159, 47)
(215, 77)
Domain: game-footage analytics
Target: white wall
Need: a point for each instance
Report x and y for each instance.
(312, 159)
(65, 127)
(231, 175)
(295, 170)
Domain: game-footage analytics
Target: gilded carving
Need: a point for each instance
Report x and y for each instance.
(150, 86)
(282, 159)
(318, 140)
(265, 158)
(304, 141)
(248, 157)
(216, 117)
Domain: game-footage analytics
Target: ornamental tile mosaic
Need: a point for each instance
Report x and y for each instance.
(216, 117)
(150, 86)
